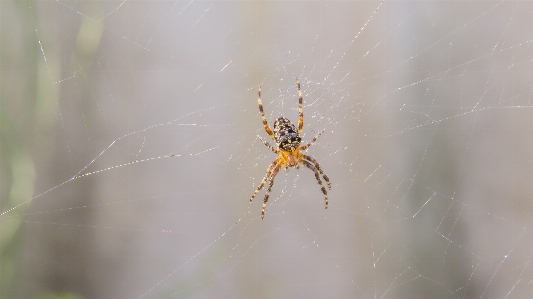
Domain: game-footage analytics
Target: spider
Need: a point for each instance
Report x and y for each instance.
(288, 140)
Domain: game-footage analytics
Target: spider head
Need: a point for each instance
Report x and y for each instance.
(286, 136)
(291, 159)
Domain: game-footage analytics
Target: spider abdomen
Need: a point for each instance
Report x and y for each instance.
(285, 134)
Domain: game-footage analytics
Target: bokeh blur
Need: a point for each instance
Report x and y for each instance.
(428, 119)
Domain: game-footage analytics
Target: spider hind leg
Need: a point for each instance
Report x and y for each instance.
(300, 108)
(265, 122)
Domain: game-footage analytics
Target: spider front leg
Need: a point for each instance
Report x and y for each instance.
(317, 176)
(267, 176)
(267, 194)
(317, 166)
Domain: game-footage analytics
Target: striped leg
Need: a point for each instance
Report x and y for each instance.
(267, 176)
(317, 166)
(276, 151)
(317, 176)
(267, 194)
(303, 148)
(300, 108)
(265, 123)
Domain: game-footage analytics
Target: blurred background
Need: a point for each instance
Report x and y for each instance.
(128, 149)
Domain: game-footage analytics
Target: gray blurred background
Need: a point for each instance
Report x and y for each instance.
(428, 144)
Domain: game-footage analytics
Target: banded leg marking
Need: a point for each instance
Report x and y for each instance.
(267, 176)
(267, 194)
(276, 151)
(300, 108)
(265, 123)
(317, 166)
(303, 148)
(317, 176)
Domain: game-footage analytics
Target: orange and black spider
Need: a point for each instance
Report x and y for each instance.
(288, 140)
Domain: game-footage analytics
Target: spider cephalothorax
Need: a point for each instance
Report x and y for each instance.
(288, 141)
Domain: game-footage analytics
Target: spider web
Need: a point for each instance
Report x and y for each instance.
(129, 149)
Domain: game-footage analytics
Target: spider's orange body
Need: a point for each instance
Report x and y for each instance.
(288, 141)
(290, 159)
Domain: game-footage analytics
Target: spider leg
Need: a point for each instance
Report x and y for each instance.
(265, 123)
(276, 151)
(300, 108)
(267, 194)
(317, 176)
(304, 147)
(317, 166)
(267, 176)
